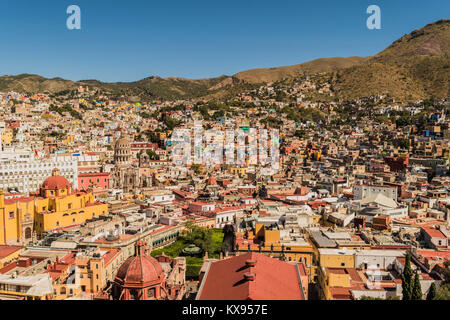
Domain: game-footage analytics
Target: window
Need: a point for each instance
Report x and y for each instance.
(134, 294)
(69, 206)
(57, 223)
(342, 264)
(11, 214)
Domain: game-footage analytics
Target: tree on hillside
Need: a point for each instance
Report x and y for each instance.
(197, 168)
(431, 295)
(152, 154)
(416, 289)
(262, 192)
(407, 280)
(444, 291)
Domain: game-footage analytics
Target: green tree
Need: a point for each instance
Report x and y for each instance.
(407, 279)
(197, 168)
(443, 293)
(262, 192)
(300, 133)
(170, 122)
(152, 154)
(201, 237)
(431, 295)
(416, 289)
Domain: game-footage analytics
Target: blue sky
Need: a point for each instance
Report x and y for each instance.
(130, 40)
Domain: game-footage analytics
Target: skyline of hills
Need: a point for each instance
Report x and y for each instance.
(416, 66)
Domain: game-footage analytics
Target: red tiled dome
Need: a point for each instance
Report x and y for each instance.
(139, 271)
(56, 182)
(212, 181)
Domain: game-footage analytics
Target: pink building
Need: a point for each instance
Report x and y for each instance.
(93, 179)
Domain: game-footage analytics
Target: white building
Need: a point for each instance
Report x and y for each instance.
(161, 196)
(27, 175)
(364, 191)
(381, 259)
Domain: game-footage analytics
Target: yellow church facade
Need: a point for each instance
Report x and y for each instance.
(55, 206)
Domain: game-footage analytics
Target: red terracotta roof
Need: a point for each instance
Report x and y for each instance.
(434, 254)
(7, 250)
(434, 233)
(20, 199)
(225, 279)
(93, 174)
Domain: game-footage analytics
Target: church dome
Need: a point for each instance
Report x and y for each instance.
(122, 142)
(212, 181)
(140, 270)
(56, 181)
(122, 150)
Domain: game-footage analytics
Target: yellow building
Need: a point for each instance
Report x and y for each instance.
(299, 250)
(56, 205)
(238, 170)
(96, 269)
(339, 283)
(336, 258)
(6, 136)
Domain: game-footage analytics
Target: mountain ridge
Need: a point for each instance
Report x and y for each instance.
(415, 66)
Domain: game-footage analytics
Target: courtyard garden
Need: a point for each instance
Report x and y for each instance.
(193, 243)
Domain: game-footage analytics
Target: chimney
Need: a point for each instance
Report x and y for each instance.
(249, 276)
(250, 263)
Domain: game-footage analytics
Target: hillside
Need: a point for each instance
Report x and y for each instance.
(311, 67)
(34, 83)
(416, 66)
(179, 88)
(168, 88)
